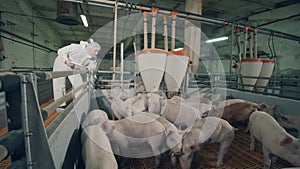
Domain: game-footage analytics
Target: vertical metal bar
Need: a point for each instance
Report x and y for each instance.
(174, 14)
(165, 17)
(145, 30)
(115, 40)
(232, 43)
(239, 43)
(250, 45)
(245, 42)
(122, 63)
(255, 42)
(26, 121)
(154, 12)
(38, 154)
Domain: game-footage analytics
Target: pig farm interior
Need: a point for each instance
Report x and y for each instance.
(174, 85)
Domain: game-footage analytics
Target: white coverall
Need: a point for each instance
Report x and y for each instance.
(75, 53)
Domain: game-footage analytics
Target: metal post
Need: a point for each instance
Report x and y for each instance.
(145, 31)
(122, 63)
(250, 44)
(255, 42)
(232, 43)
(173, 14)
(245, 42)
(165, 17)
(154, 12)
(115, 40)
(38, 153)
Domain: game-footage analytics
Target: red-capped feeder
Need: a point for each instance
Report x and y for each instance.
(176, 67)
(151, 65)
(250, 67)
(266, 71)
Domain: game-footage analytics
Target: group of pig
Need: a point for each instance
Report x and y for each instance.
(181, 127)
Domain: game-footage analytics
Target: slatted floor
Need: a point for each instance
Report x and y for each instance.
(237, 157)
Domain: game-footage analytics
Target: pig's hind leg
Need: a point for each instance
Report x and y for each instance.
(252, 144)
(155, 146)
(222, 150)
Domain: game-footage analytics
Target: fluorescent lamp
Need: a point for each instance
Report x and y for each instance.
(217, 39)
(84, 21)
(178, 49)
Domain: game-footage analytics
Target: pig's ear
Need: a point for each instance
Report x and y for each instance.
(289, 143)
(287, 140)
(110, 95)
(263, 105)
(106, 127)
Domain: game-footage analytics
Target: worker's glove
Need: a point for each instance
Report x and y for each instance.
(70, 64)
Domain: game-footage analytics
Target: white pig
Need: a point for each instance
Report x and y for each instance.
(94, 117)
(120, 108)
(154, 103)
(202, 108)
(153, 129)
(206, 130)
(96, 149)
(177, 99)
(139, 103)
(181, 115)
(275, 140)
(198, 99)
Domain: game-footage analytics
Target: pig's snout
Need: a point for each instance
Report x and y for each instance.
(176, 154)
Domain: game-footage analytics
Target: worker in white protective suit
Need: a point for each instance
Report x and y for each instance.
(73, 57)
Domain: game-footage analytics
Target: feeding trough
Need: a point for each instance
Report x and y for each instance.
(177, 61)
(250, 67)
(266, 71)
(176, 67)
(151, 65)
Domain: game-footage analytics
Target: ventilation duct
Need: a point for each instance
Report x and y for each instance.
(67, 13)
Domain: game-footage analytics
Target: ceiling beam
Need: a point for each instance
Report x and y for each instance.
(266, 3)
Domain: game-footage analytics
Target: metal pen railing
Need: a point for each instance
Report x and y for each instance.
(278, 85)
(25, 115)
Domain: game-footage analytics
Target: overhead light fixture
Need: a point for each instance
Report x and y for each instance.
(84, 20)
(178, 49)
(217, 39)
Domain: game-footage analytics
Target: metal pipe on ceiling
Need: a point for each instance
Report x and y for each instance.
(188, 15)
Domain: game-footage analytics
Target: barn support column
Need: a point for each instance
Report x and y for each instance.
(192, 36)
